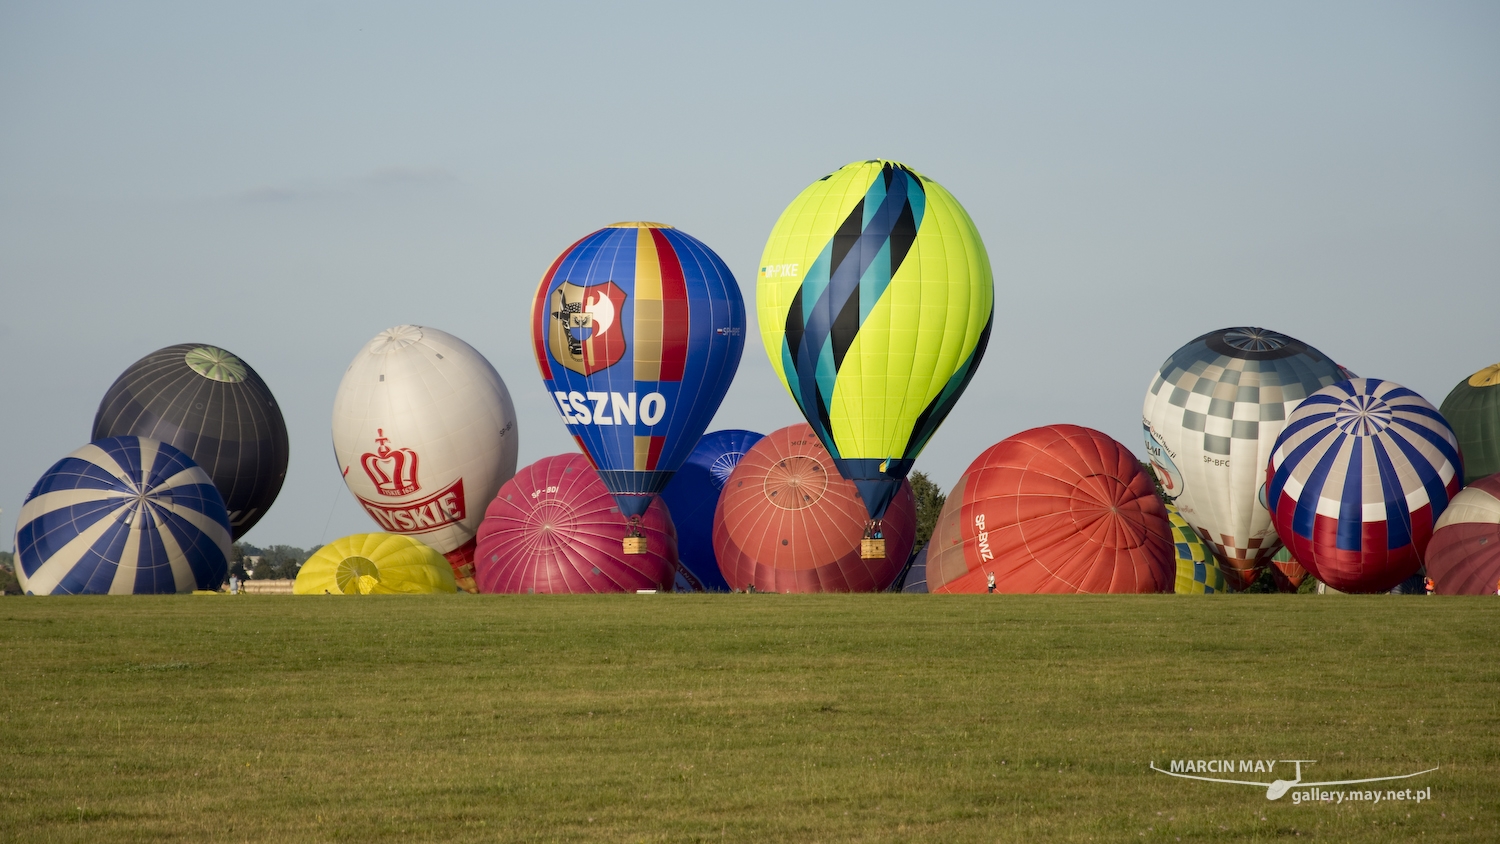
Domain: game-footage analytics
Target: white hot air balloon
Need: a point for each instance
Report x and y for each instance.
(425, 434)
(1211, 418)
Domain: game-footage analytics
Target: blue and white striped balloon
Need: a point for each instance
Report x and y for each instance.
(1359, 475)
(121, 516)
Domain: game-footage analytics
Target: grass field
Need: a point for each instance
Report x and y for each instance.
(739, 717)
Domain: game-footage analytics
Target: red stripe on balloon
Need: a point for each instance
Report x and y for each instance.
(674, 310)
(585, 449)
(539, 313)
(653, 452)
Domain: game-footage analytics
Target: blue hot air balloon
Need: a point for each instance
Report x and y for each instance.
(638, 330)
(123, 515)
(693, 495)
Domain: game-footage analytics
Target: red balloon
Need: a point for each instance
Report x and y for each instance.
(787, 521)
(1463, 557)
(555, 528)
(1057, 509)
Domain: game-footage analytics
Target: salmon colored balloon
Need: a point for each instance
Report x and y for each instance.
(1057, 509)
(554, 528)
(1463, 557)
(787, 521)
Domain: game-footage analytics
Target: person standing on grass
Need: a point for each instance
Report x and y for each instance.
(991, 582)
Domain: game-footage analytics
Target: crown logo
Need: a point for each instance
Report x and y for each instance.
(392, 471)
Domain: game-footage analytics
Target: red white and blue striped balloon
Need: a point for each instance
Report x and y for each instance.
(120, 516)
(1357, 480)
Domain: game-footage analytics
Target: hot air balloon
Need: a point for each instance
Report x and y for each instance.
(693, 495)
(375, 564)
(1463, 557)
(916, 573)
(1211, 416)
(1056, 509)
(1473, 409)
(211, 405)
(875, 301)
(638, 330)
(425, 434)
(121, 516)
(787, 522)
(1358, 477)
(1288, 573)
(1197, 569)
(555, 528)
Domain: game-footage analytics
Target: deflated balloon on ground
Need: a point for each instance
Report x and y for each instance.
(375, 564)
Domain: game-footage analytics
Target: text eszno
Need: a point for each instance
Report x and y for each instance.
(610, 408)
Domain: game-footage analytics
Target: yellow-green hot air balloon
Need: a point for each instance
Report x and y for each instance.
(875, 301)
(1197, 571)
(375, 564)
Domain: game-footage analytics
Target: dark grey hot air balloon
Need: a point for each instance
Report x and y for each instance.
(212, 405)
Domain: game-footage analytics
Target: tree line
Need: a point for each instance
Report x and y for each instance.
(273, 562)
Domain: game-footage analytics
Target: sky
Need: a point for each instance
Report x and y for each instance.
(285, 180)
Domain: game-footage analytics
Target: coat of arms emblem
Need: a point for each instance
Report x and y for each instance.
(583, 326)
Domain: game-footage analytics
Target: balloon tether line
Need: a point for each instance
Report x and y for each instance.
(323, 539)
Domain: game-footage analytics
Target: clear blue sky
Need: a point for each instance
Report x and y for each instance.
(287, 179)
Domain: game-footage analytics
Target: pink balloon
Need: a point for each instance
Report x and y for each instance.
(554, 528)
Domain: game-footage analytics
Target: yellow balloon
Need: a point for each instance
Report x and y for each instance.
(375, 564)
(876, 301)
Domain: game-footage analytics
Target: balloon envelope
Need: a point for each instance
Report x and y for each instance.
(1357, 479)
(1211, 417)
(787, 522)
(1288, 573)
(1463, 557)
(916, 573)
(1197, 569)
(1056, 509)
(875, 301)
(120, 516)
(211, 405)
(1473, 410)
(425, 434)
(638, 330)
(555, 528)
(693, 495)
(375, 564)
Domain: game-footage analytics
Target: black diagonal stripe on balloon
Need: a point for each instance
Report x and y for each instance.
(822, 322)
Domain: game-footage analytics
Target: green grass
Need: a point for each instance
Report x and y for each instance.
(737, 717)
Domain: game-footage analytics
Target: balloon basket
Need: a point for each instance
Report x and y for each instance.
(635, 544)
(872, 549)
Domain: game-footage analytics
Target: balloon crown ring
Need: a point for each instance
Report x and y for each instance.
(1363, 415)
(1254, 339)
